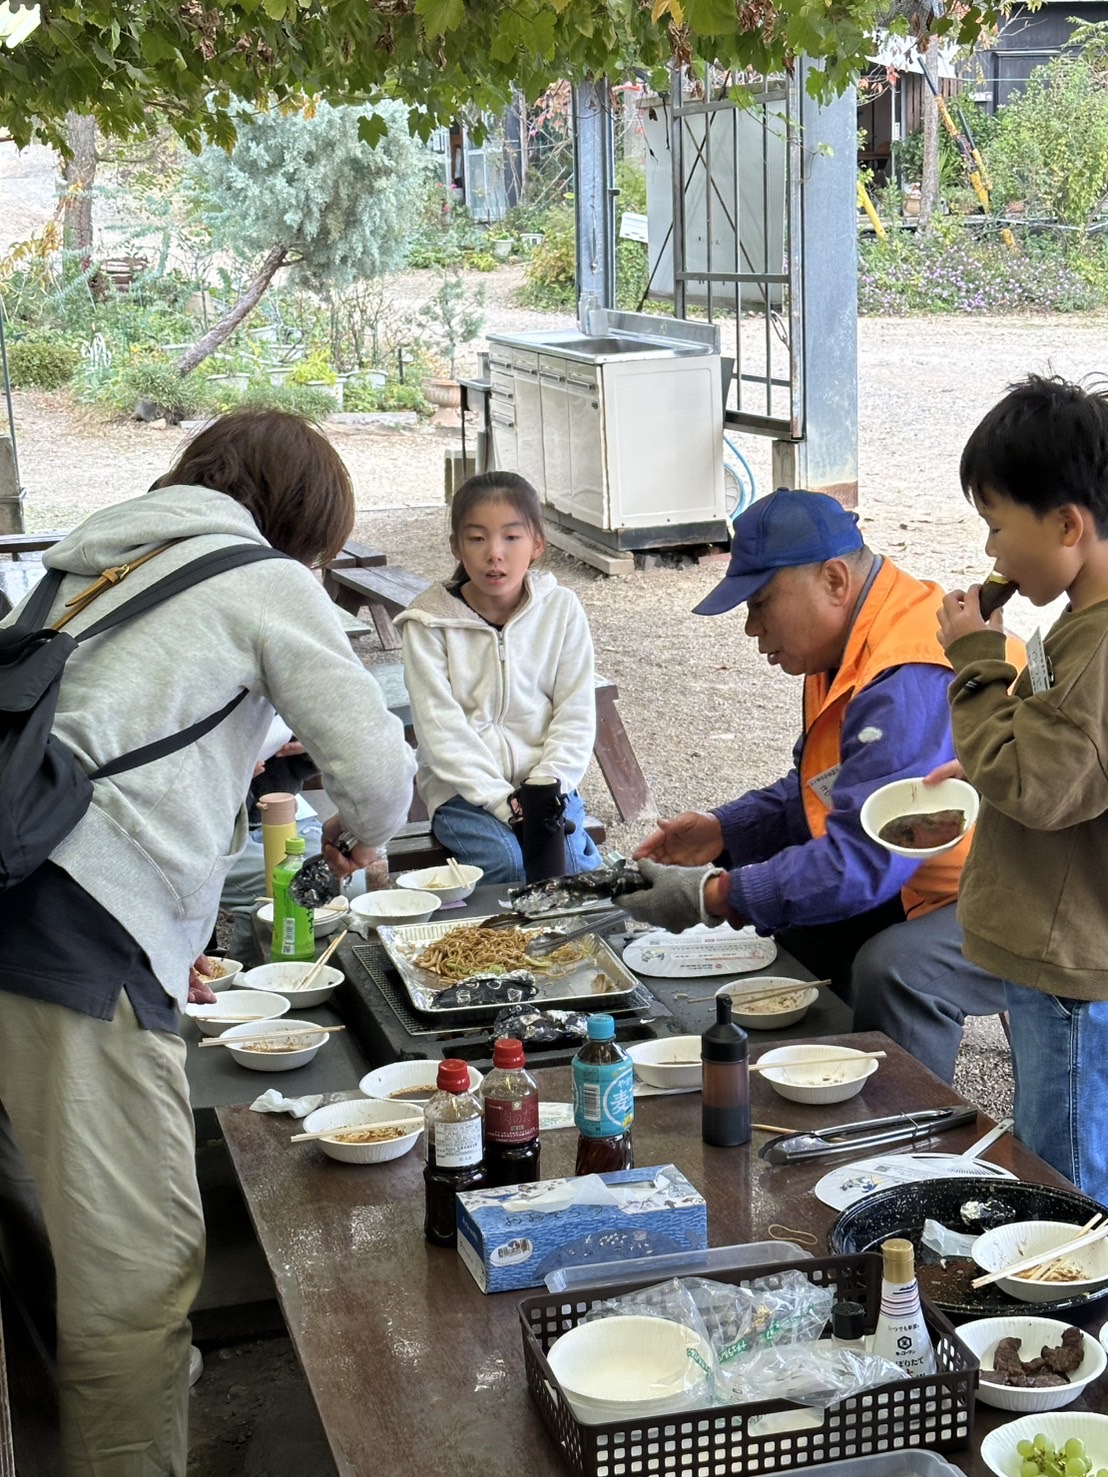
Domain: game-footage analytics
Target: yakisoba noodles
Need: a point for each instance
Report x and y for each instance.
(470, 949)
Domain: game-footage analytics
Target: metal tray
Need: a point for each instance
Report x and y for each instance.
(599, 978)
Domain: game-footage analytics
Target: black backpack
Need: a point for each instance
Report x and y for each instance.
(44, 791)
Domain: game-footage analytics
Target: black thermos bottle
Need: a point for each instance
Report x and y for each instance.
(726, 1090)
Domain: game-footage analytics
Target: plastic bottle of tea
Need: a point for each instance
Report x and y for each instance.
(293, 926)
(511, 1099)
(603, 1100)
(455, 1150)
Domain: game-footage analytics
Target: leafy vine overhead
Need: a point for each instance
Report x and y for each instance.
(136, 64)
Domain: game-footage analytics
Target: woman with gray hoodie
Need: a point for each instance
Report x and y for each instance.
(96, 1132)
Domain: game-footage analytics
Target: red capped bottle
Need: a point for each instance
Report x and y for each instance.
(511, 1100)
(455, 1150)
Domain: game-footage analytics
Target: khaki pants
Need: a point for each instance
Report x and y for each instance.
(100, 1112)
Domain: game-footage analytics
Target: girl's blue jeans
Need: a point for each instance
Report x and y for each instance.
(478, 839)
(1060, 1056)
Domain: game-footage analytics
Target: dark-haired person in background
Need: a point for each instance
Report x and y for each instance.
(98, 942)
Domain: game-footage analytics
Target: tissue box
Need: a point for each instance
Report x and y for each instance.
(509, 1240)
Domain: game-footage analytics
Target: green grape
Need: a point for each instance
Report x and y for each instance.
(1029, 1468)
(1043, 1443)
(1025, 1449)
(1075, 1466)
(1074, 1447)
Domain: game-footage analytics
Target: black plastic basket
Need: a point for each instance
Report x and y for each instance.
(927, 1410)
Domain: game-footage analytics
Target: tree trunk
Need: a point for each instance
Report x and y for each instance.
(929, 181)
(234, 316)
(79, 173)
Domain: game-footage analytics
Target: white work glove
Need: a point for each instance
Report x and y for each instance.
(675, 898)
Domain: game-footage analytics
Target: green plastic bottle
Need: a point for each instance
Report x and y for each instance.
(293, 926)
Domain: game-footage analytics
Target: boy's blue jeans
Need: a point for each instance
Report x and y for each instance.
(1060, 1056)
(478, 839)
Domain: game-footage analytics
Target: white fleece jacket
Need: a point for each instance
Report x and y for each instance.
(491, 708)
(156, 843)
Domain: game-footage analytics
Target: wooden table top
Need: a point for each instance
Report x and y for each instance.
(413, 1369)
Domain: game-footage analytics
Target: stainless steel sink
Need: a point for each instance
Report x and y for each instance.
(581, 345)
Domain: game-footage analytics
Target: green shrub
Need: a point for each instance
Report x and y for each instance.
(482, 261)
(36, 363)
(175, 398)
(550, 279)
(312, 404)
(315, 367)
(360, 395)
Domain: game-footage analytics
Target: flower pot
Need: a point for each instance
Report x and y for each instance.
(376, 377)
(238, 381)
(501, 248)
(278, 373)
(446, 396)
(531, 239)
(334, 390)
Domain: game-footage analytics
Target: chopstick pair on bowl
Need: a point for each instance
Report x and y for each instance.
(286, 1039)
(1050, 1260)
(770, 994)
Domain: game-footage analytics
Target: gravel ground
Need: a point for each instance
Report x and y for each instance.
(706, 716)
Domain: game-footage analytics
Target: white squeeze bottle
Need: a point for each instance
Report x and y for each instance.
(901, 1334)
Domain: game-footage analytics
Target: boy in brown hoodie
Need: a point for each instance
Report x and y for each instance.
(1034, 897)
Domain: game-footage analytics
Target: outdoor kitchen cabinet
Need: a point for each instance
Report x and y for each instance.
(621, 434)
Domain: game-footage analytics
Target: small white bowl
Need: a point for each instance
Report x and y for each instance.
(229, 970)
(360, 1113)
(768, 1015)
(409, 1082)
(629, 1366)
(324, 920)
(998, 1448)
(1012, 1243)
(276, 1061)
(394, 906)
(284, 979)
(233, 1007)
(803, 1084)
(666, 1063)
(913, 797)
(981, 1337)
(442, 882)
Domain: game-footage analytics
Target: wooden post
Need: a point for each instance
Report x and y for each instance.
(11, 498)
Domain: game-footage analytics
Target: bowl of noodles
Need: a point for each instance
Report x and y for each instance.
(409, 1082)
(393, 905)
(357, 1138)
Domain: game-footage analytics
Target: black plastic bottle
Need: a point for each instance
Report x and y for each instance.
(511, 1100)
(725, 1094)
(455, 1150)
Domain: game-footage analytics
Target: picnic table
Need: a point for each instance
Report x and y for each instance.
(410, 1365)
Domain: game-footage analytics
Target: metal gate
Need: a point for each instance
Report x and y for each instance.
(730, 238)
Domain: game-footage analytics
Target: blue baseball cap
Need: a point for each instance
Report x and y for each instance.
(783, 531)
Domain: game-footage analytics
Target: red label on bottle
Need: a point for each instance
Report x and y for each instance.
(512, 1120)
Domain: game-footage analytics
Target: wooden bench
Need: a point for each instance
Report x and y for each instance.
(415, 845)
(612, 747)
(387, 591)
(19, 545)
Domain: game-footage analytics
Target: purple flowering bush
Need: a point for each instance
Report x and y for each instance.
(951, 271)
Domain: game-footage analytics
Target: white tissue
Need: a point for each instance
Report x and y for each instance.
(275, 1102)
(590, 1189)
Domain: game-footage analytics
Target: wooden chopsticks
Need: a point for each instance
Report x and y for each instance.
(1086, 1237)
(413, 1125)
(816, 1061)
(313, 973)
(739, 1001)
(244, 1043)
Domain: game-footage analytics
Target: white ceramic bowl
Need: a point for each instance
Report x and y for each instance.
(998, 1448)
(306, 1034)
(229, 970)
(981, 1337)
(442, 882)
(629, 1366)
(667, 1063)
(363, 1114)
(284, 979)
(913, 797)
(1012, 1243)
(235, 1007)
(324, 920)
(409, 1082)
(394, 906)
(806, 1083)
(768, 1015)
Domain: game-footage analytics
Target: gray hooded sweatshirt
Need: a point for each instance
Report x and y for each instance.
(156, 842)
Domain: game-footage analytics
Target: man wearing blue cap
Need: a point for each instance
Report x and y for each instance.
(793, 859)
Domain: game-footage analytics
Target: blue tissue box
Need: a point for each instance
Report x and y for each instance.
(506, 1244)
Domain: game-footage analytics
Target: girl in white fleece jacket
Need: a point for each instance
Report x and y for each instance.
(499, 667)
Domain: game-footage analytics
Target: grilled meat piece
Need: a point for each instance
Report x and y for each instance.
(925, 829)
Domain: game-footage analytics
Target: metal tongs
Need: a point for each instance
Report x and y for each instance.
(795, 1148)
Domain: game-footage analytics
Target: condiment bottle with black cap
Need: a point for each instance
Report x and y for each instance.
(455, 1150)
(725, 1094)
(848, 1326)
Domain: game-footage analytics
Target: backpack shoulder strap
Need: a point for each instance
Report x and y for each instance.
(217, 561)
(33, 615)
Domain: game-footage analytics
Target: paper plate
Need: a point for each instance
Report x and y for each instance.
(698, 952)
(851, 1182)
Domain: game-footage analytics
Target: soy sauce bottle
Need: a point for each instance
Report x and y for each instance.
(511, 1100)
(603, 1100)
(725, 1093)
(455, 1150)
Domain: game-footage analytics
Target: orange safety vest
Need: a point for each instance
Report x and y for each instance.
(898, 623)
